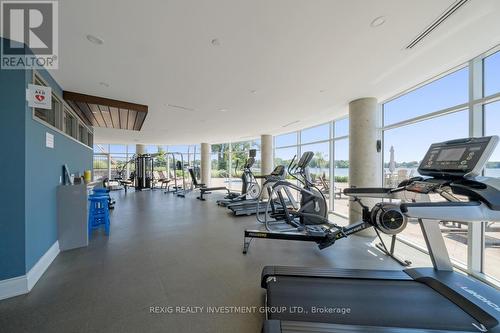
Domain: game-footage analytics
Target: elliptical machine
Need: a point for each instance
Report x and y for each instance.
(250, 188)
(312, 211)
(310, 222)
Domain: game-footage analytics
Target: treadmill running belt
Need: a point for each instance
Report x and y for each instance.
(390, 303)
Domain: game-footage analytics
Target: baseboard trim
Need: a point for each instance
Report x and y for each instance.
(13, 287)
(23, 284)
(36, 272)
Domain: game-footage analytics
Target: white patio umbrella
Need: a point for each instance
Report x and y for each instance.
(392, 162)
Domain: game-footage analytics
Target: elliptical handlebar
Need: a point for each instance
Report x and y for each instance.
(292, 166)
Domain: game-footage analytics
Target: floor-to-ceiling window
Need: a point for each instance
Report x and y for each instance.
(434, 112)
(463, 103)
(491, 231)
(285, 150)
(329, 169)
(317, 140)
(220, 164)
(110, 161)
(340, 166)
(239, 153)
(492, 74)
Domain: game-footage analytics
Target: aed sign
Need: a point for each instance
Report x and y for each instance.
(39, 96)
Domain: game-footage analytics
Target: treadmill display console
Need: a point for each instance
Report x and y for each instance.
(457, 158)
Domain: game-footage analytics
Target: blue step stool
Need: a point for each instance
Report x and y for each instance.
(105, 192)
(98, 213)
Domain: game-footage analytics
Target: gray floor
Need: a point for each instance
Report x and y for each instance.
(167, 251)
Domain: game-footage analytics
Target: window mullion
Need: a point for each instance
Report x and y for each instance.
(475, 248)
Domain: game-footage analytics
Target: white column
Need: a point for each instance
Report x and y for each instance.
(206, 166)
(266, 154)
(140, 149)
(266, 157)
(365, 159)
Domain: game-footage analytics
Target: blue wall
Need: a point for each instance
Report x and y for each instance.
(30, 175)
(43, 172)
(12, 169)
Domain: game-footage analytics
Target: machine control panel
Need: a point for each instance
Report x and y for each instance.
(457, 158)
(279, 171)
(423, 186)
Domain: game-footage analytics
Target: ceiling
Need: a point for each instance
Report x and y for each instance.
(273, 62)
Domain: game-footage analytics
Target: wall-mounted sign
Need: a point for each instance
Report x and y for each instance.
(39, 96)
(49, 140)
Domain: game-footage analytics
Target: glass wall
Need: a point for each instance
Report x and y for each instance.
(402, 155)
(228, 160)
(491, 239)
(114, 161)
(440, 94)
(330, 166)
(492, 74)
(341, 176)
(448, 107)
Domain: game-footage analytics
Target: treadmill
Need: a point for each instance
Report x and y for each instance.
(249, 206)
(434, 299)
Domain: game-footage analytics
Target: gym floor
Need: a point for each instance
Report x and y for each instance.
(168, 251)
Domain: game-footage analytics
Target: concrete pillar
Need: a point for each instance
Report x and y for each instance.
(206, 165)
(365, 157)
(140, 149)
(266, 156)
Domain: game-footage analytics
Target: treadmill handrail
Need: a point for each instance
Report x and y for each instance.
(466, 211)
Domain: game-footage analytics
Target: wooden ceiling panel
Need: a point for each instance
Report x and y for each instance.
(86, 110)
(97, 114)
(105, 114)
(86, 118)
(132, 115)
(115, 116)
(108, 113)
(139, 121)
(123, 118)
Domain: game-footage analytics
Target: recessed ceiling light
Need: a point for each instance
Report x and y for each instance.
(95, 40)
(104, 84)
(180, 107)
(293, 122)
(215, 42)
(378, 21)
(223, 110)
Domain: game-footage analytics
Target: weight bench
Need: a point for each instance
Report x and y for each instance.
(208, 190)
(204, 189)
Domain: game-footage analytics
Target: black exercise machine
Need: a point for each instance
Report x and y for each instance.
(309, 222)
(250, 206)
(204, 190)
(435, 299)
(144, 167)
(250, 189)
